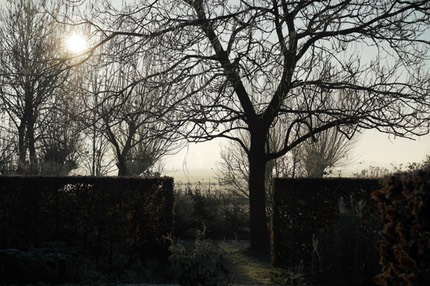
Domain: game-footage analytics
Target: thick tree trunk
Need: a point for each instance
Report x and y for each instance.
(257, 193)
(122, 166)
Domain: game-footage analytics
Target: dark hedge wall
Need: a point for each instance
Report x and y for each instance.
(101, 215)
(303, 208)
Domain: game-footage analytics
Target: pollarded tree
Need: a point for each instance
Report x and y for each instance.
(30, 71)
(129, 110)
(243, 65)
(233, 168)
(325, 152)
(60, 139)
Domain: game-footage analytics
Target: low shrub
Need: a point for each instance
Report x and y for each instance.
(225, 216)
(346, 253)
(294, 276)
(200, 265)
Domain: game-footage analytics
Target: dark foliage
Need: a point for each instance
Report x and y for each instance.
(202, 264)
(346, 252)
(328, 226)
(224, 216)
(104, 218)
(404, 203)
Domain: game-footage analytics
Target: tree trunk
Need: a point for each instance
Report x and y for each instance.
(32, 147)
(257, 193)
(22, 149)
(122, 166)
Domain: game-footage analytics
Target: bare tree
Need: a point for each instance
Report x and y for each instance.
(291, 164)
(60, 136)
(326, 151)
(30, 71)
(97, 158)
(313, 158)
(233, 170)
(128, 110)
(242, 65)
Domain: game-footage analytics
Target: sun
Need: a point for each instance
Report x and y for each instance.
(76, 43)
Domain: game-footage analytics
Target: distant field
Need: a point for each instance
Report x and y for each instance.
(193, 177)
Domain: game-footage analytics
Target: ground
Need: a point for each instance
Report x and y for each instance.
(244, 266)
(247, 267)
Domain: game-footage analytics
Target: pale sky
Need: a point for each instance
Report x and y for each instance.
(379, 149)
(200, 160)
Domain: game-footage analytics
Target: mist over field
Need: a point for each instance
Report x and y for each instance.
(194, 177)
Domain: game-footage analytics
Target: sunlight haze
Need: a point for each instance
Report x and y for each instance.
(199, 162)
(76, 43)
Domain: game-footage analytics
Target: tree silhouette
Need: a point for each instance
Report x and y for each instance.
(30, 72)
(244, 65)
(313, 158)
(327, 151)
(129, 112)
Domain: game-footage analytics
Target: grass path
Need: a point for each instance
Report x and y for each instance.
(246, 266)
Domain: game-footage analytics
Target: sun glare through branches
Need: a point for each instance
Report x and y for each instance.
(76, 43)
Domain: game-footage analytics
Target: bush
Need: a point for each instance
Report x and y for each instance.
(346, 253)
(294, 276)
(404, 203)
(225, 216)
(202, 265)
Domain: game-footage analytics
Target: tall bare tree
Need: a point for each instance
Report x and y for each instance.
(242, 65)
(97, 158)
(30, 71)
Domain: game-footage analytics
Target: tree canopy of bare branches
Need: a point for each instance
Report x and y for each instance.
(30, 72)
(127, 109)
(246, 64)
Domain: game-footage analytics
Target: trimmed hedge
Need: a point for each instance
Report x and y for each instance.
(103, 216)
(306, 209)
(404, 203)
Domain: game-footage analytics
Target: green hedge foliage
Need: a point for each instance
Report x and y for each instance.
(404, 203)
